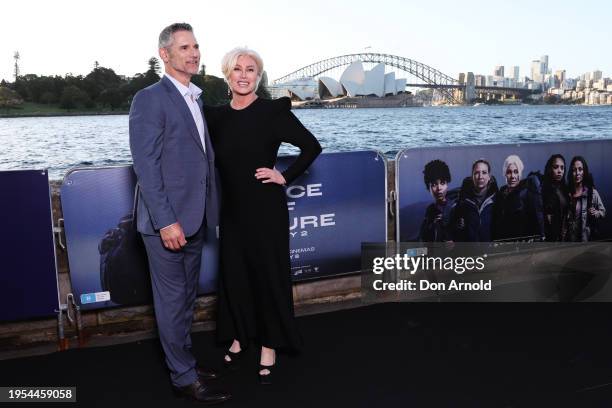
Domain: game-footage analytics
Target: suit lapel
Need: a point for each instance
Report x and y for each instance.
(209, 150)
(181, 105)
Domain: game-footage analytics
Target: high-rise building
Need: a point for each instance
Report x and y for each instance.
(559, 78)
(596, 75)
(560, 75)
(499, 71)
(515, 73)
(536, 74)
(569, 83)
(544, 64)
(470, 90)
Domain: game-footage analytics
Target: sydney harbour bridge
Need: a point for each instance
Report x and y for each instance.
(454, 91)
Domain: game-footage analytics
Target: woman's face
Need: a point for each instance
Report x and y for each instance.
(438, 190)
(512, 176)
(558, 170)
(578, 172)
(481, 176)
(243, 78)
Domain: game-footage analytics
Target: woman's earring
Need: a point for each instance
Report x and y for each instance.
(229, 92)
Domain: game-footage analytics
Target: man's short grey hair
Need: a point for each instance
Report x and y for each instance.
(165, 37)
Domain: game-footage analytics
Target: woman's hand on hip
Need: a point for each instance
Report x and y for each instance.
(267, 175)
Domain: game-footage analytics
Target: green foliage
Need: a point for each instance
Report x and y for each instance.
(154, 65)
(214, 89)
(100, 79)
(9, 99)
(113, 98)
(48, 98)
(263, 92)
(103, 89)
(74, 97)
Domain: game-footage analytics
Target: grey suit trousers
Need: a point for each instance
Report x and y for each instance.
(176, 276)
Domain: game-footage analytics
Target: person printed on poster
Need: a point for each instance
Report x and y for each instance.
(436, 225)
(518, 209)
(585, 205)
(473, 214)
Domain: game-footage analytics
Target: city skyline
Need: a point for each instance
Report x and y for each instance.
(63, 38)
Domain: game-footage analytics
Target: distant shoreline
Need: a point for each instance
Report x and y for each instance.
(118, 113)
(52, 114)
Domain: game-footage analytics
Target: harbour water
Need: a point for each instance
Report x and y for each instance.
(62, 143)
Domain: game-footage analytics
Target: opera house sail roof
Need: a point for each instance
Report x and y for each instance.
(354, 81)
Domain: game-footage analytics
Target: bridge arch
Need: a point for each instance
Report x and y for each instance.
(424, 72)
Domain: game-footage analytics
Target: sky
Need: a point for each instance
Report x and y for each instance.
(65, 36)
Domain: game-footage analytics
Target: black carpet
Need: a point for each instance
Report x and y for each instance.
(386, 355)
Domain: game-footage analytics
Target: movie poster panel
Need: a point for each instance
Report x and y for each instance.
(551, 192)
(338, 204)
(108, 264)
(28, 271)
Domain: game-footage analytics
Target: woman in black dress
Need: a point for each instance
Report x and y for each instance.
(255, 300)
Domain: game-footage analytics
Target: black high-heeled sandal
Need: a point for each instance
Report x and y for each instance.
(265, 379)
(234, 359)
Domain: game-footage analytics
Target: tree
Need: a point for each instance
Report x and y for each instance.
(48, 98)
(154, 66)
(214, 89)
(111, 97)
(100, 79)
(9, 98)
(74, 97)
(263, 92)
(141, 81)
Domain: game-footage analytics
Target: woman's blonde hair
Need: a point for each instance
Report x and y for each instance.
(514, 159)
(229, 61)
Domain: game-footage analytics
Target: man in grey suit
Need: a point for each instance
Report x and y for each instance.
(177, 201)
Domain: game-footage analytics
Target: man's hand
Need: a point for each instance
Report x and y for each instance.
(173, 237)
(270, 176)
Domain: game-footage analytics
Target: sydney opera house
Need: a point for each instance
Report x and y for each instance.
(354, 82)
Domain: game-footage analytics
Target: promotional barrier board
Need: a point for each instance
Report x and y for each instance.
(539, 208)
(108, 265)
(337, 205)
(28, 272)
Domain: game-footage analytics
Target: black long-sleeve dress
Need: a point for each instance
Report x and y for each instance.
(255, 298)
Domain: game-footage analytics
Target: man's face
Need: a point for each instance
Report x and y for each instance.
(438, 190)
(182, 57)
(578, 172)
(512, 176)
(481, 176)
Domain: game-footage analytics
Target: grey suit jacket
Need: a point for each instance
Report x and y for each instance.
(177, 180)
